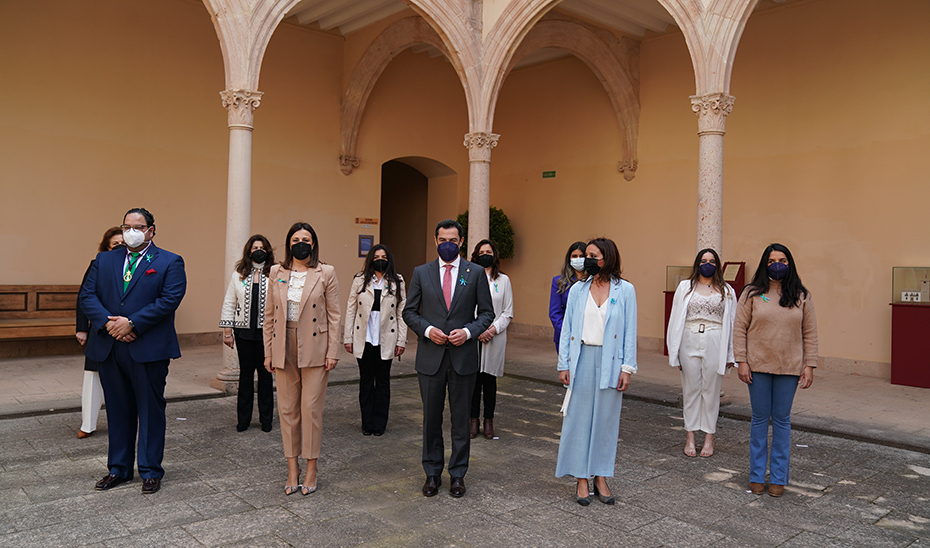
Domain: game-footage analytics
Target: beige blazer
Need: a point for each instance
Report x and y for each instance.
(318, 323)
(358, 309)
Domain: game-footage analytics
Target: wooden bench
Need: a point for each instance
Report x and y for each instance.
(37, 311)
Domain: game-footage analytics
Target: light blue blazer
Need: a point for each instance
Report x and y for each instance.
(619, 333)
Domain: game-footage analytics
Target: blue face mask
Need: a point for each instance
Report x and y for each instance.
(707, 269)
(778, 271)
(448, 251)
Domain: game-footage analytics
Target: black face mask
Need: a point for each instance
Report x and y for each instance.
(258, 256)
(380, 265)
(485, 260)
(590, 266)
(301, 250)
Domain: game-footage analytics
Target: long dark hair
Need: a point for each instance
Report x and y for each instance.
(611, 269)
(717, 279)
(496, 265)
(569, 274)
(791, 287)
(105, 242)
(368, 271)
(314, 253)
(244, 266)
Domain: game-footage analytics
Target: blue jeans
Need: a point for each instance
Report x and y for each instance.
(771, 397)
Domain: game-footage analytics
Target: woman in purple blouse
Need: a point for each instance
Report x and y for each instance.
(572, 271)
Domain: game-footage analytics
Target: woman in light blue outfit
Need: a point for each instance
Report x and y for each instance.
(597, 355)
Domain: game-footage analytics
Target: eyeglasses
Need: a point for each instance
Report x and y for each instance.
(140, 228)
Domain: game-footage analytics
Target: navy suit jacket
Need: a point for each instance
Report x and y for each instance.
(471, 309)
(153, 295)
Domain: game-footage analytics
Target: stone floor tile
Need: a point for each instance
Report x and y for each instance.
(175, 537)
(157, 516)
(876, 537)
(760, 532)
(813, 540)
(218, 504)
(671, 532)
(241, 526)
(348, 530)
(71, 533)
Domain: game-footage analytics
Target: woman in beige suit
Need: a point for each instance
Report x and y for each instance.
(303, 308)
(375, 334)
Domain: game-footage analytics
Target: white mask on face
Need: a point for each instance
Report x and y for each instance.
(577, 263)
(133, 238)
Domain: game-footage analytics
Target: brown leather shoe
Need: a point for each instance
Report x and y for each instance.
(431, 487)
(108, 482)
(82, 434)
(457, 489)
(776, 490)
(151, 485)
(757, 488)
(489, 429)
(473, 429)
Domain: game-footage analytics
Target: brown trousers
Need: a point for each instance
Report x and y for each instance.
(301, 392)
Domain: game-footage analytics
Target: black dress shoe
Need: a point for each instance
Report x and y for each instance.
(151, 485)
(266, 427)
(109, 482)
(431, 487)
(606, 499)
(242, 427)
(457, 489)
(367, 432)
(378, 432)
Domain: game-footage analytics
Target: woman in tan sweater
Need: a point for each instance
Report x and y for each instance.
(775, 346)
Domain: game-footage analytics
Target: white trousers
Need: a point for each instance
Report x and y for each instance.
(700, 382)
(91, 401)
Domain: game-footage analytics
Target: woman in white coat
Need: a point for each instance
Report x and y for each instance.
(700, 345)
(242, 319)
(375, 334)
(494, 340)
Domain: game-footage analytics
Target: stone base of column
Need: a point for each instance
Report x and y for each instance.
(230, 388)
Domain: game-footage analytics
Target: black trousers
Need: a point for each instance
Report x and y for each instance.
(433, 394)
(252, 359)
(487, 382)
(374, 388)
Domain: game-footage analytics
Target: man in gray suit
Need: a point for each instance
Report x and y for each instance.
(448, 306)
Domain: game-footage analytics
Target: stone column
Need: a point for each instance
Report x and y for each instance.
(240, 104)
(712, 110)
(479, 185)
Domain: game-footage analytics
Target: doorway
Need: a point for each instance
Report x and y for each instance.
(404, 211)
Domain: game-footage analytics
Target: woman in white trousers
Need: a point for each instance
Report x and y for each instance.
(700, 344)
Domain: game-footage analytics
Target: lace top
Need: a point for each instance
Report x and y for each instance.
(295, 288)
(706, 309)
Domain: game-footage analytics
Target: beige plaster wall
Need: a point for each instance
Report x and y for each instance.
(825, 152)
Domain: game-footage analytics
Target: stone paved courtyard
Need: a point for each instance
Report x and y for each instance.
(225, 488)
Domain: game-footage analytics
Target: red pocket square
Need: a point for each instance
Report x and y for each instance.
(150, 271)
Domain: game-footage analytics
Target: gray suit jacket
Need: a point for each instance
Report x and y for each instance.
(471, 309)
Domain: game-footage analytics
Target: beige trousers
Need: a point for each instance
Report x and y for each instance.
(700, 382)
(301, 392)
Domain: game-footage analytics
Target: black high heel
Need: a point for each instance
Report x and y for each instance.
(584, 501)
(606, 499)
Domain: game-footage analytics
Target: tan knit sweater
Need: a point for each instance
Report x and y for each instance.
(773, 339)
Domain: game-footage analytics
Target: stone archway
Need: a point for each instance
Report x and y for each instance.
(397, 37)
(613, 61)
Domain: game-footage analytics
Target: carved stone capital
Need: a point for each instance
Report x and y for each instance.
(627, 168)
(347, 163)
(240, 103)
(712, 110)
(480, 144)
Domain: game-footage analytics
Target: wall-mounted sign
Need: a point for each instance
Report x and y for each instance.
(548, 174)
(364, 244)
(365, 221)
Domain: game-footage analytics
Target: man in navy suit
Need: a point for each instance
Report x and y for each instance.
(130, 297)
(448, 306)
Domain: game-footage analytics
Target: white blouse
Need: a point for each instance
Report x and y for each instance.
(595, 320)
(295, 290)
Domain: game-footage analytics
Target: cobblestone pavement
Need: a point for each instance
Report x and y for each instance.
(226, 488)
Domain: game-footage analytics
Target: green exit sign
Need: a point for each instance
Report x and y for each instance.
(548, 174)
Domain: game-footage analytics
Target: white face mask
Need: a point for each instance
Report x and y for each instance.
(133, 238)
(577, 263)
